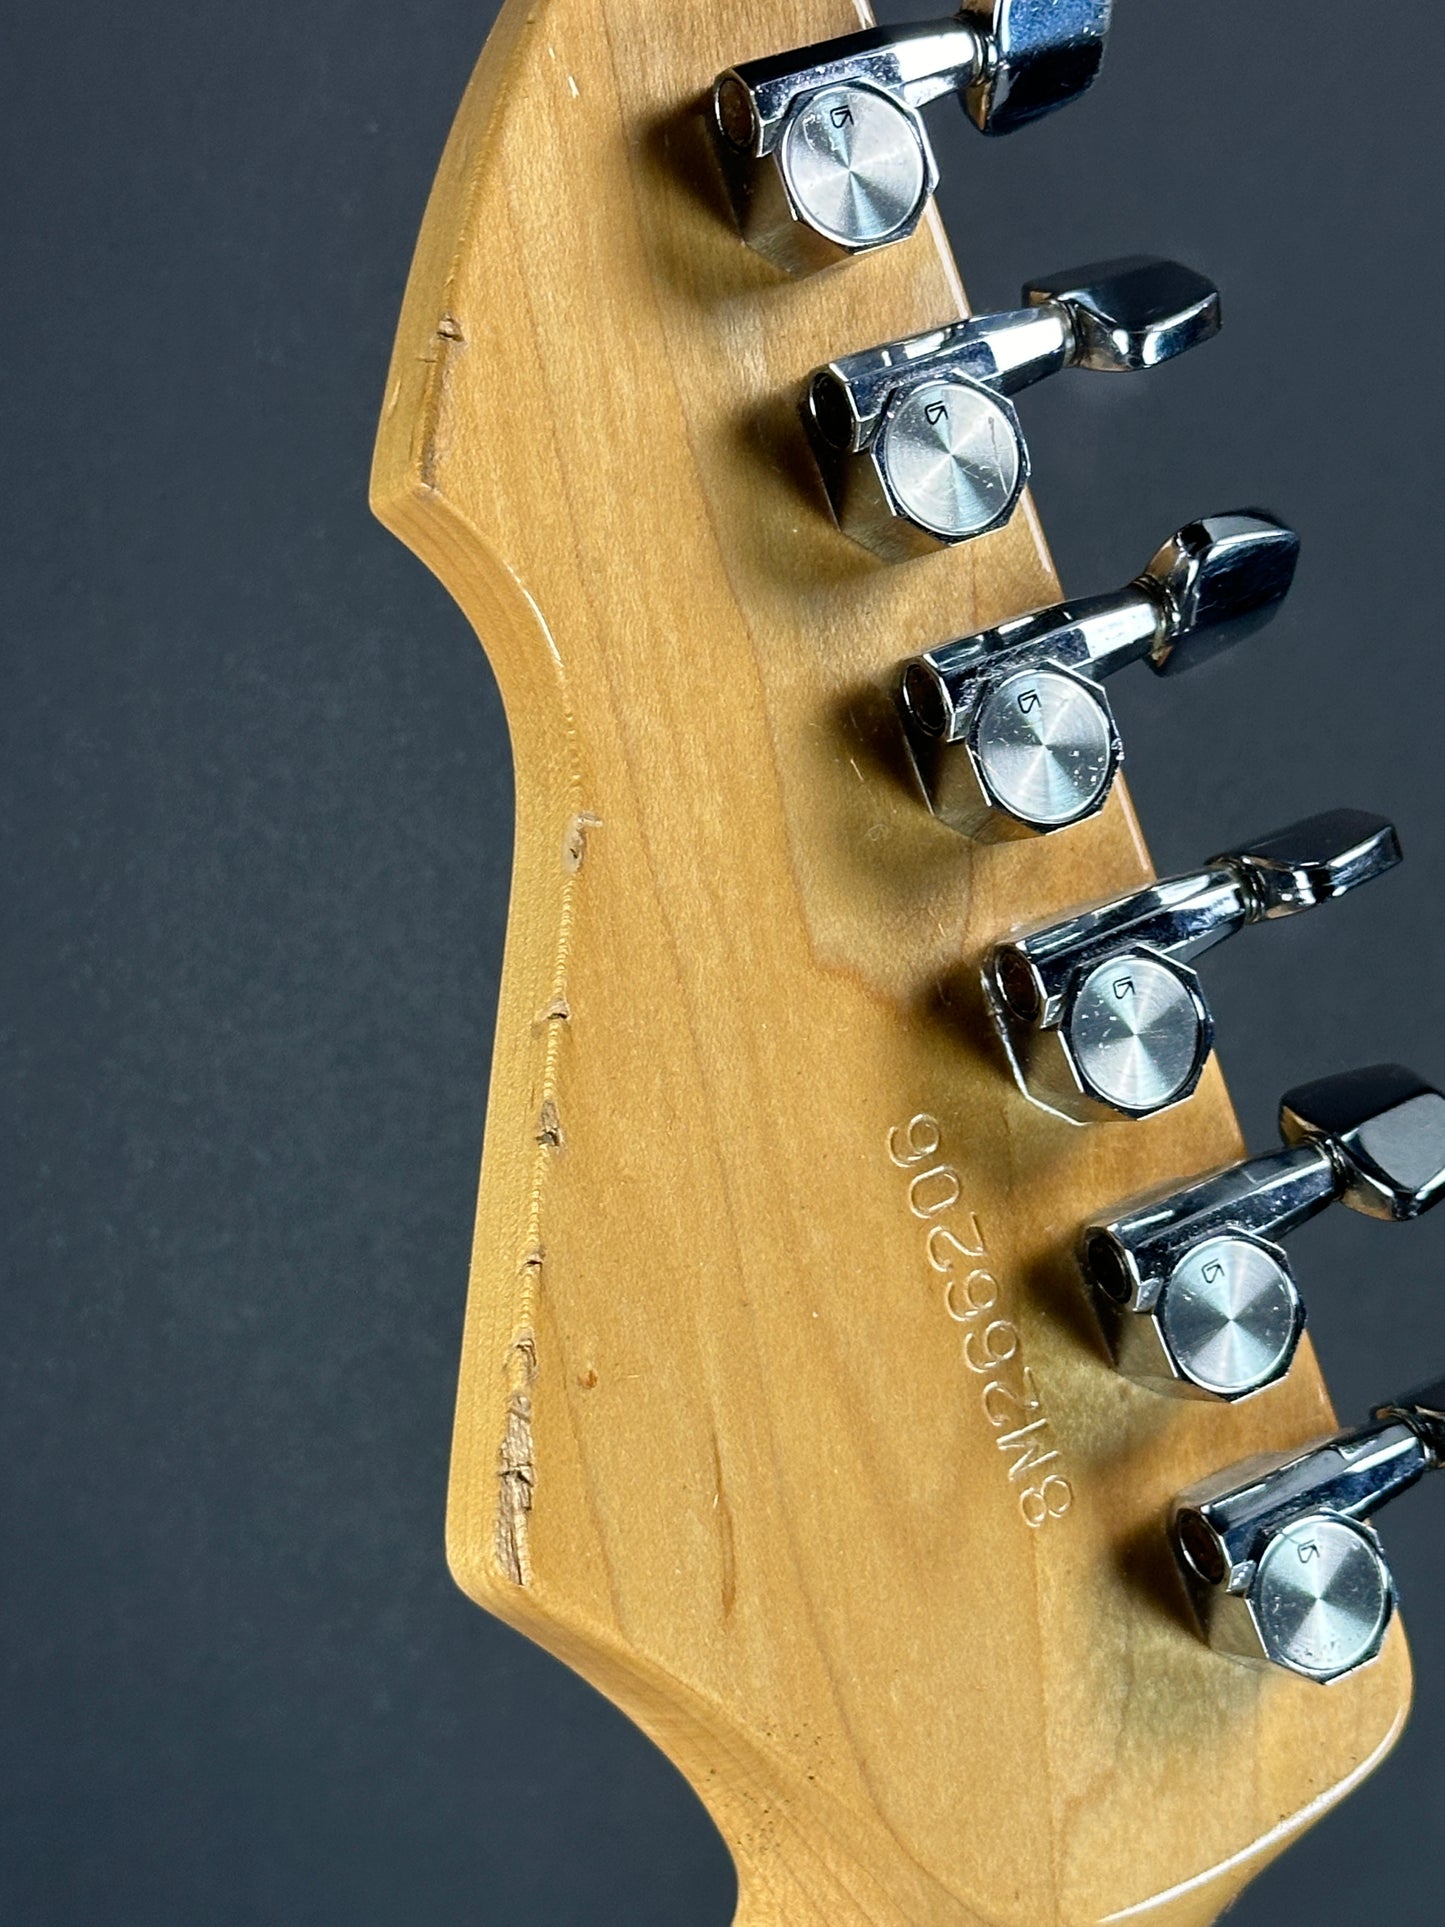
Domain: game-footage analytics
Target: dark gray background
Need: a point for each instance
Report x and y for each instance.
(256, 820)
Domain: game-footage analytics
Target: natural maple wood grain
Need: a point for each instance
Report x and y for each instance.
(719, 1440)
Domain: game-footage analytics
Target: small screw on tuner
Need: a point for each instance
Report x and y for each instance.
(824, 149)
(917, 441)
(1101, 1014)
(1192, 1288)
(1010, 732)
(1281, 1564)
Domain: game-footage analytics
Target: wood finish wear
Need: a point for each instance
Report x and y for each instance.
(732, 1438)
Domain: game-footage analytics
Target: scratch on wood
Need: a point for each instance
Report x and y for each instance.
(446, 338)
(574, 843)
(516, 1466)
(726, 1536)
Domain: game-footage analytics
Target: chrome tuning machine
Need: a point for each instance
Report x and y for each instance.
(1010, 731)
(824, 149)
(1278, 1555)
(1193, 1290)
(1101, 1014)
(917, 441)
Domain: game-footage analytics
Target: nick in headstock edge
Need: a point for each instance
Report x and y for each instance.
(717, 1445)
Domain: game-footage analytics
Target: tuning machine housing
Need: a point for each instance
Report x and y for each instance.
(1010, 731)
(824, 149)
(1280, 1561)
(1192, 1287)
(918, 442)
(1101, 1014)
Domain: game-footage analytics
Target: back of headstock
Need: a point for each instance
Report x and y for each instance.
(782, 1415)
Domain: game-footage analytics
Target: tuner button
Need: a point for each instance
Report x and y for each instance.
(1131, 314)
(1385, 1130)
(1219, 580)
(952, 459)
(1313, 862)
(1043, 56)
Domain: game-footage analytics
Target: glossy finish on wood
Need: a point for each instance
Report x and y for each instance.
(774, 1321)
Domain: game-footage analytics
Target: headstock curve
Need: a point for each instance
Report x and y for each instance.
(774, 1320)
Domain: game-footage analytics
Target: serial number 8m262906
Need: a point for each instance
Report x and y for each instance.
(957, 1254)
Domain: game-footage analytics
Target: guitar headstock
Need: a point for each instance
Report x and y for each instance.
(784, 1416)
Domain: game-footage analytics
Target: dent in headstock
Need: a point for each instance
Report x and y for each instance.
(744, 1423)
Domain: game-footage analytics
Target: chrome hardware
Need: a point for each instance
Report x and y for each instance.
(917, 441)
(1192, 1288)
(1101, 1014)
(1009, 730)
(824, 149)
(1280, 1563)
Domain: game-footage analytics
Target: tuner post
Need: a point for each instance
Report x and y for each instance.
(1193, 1289)
(917, 441)
(1102, 1015)
(1278, 1555)
(824, 149)
(1009, 730)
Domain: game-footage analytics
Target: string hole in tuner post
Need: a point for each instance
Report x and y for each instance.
(1018, 985)
(1200, 1548)
(1108, 1268)
(733, 109)
(830, 410)
(924, 699)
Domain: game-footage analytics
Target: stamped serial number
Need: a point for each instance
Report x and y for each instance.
(957, 1253)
